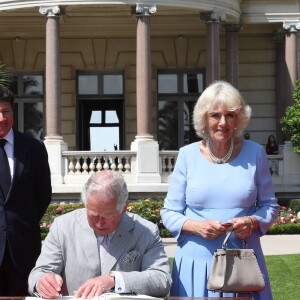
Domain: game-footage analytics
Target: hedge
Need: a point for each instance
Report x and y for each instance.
(286, 223)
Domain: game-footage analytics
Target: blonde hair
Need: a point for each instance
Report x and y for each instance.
(220, 93)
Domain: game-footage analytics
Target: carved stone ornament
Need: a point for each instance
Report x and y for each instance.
(145, 9)
(233, 27)
(214, 16)
(51, 11)
(291, 26)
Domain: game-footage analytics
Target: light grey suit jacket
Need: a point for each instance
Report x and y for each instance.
(136, 250)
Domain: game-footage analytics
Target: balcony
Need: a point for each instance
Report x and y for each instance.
(149, 173)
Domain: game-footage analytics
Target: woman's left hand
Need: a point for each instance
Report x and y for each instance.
(242, 226)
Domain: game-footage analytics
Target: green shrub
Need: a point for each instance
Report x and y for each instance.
(285, 229)
(52, 212)
(291, 120)
(288, 221)
(146, 208)
(295, 205)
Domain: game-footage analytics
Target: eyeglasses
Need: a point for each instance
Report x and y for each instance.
(104, 216)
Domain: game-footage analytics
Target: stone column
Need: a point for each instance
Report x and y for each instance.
(291, 29)
(143, 71)
(53, 139)
(212, 21)
(232, 53)
(145, 167)
(280, 89)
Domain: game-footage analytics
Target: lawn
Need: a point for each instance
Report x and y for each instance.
(284, 272)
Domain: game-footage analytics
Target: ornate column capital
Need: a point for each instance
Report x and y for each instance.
(291, 26)
(145, 9)
(52, 11)
(233, 27)
(214, 16)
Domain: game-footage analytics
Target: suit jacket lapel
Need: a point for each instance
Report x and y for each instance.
(20, 153)
(89, 242)
(119, 243)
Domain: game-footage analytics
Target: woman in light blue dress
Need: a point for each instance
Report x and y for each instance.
(222, 178)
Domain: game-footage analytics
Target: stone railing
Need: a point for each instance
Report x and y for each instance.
(81, 164)
(276, 164)
(167, 162)
(148, 170)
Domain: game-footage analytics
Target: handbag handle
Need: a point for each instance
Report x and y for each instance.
(224, 245)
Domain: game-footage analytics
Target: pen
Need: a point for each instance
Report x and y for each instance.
(127, 294)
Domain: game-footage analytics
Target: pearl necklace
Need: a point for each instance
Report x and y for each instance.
(217, 160)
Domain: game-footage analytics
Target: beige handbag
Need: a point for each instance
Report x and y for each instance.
(235, 270)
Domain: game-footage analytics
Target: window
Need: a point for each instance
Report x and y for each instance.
(28, 90)
(177, 95)
(100, 109)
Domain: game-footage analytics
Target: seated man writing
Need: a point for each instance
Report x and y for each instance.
(101, 248)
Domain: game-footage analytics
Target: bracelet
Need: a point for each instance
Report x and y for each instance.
(251, 223)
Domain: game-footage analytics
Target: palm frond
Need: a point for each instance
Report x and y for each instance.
(5, 76)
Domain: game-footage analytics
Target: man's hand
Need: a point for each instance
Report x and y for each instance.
(95, 287)
(49, 285)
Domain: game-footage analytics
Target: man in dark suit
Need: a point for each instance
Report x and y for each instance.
(25, 194)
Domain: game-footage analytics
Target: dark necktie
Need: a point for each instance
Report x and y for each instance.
(5, 179)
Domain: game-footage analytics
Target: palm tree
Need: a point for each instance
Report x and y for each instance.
(5, 76)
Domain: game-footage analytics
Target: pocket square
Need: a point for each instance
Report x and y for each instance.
(131, 256)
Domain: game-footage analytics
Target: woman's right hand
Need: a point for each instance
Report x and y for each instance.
(209, 229)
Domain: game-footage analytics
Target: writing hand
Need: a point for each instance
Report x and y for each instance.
(49, 286)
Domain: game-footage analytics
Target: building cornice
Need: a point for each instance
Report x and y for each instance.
(249, 11)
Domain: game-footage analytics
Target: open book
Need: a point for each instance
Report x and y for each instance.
(107, 296)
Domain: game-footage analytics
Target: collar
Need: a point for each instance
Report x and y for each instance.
(10, 137)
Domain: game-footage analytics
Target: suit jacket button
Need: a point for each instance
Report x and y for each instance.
(3, 228)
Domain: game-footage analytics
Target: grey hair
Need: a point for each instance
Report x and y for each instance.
(106, 184)
(220, 93)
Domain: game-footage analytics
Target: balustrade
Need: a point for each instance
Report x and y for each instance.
(87, 162)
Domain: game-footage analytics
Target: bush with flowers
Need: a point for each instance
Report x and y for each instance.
(287, 222)
(146, 208)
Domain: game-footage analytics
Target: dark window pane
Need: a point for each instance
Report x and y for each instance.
(88, 85)
(189, 131)
(167, 84)
(33, 85)
(192, 83)
(14, 85)
(113, 84)
(33, 120)
(168, 125)
(16, 116)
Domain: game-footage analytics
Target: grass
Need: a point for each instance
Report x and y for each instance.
(284, 275)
